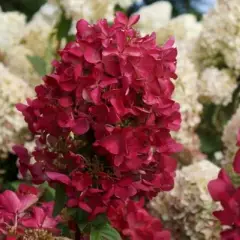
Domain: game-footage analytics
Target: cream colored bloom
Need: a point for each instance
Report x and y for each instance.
(17, 62)
(216, 85)
(50, 11)
(125, 4)
(219, 42)
(183, 27)
(154, 16)
(11, 29)
(39, 29)
(90, 10)
(186, 94)
(12, 125)
(229, 136)
(187, 209)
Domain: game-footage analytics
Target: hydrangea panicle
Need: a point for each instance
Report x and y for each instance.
(102, 119)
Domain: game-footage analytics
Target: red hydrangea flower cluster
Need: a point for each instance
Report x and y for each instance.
(20, 211)
(135, 222)
(222, 190)
(102, 119)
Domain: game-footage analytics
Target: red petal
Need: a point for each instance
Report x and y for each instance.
(219, 188)
(65, 101)
(236, 162)
(27, 201)
(118, 160)
(68, 86)
(120, 40)
(77, 71)
(81, 126)
(106, 81)
(112, 144)
(122, 193)
(84, 30)
(121, 18)
(170, 42)
(9, 201)
(224, 217)
(132, 51)
(133, 19)
(92, 55)
(58, 177)
(85, 207)
(96, 95)
(64, 120)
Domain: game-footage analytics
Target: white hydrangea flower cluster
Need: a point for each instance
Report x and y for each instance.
(12, 125)
(11, 29)
(217, 52)
(217, 86)
(187, 209)
(182, 27)
(92, 10)
(17, 62)
(33, 40)
(154, 16)
(229, 137)
(186, 94)
(39, 29)
(219, 43)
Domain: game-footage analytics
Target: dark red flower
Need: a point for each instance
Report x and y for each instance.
(133, 221)
(102, 119)
(222, 190)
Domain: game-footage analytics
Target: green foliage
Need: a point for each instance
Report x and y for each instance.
(99, 228)
(65, 231)
(104, 232)
(213, 121)
(48, 192)
(38, 64)
(60, 199)
(12, 185)
(28, 7)
(63, 27)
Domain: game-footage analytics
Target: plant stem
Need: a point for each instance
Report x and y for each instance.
(78, 233)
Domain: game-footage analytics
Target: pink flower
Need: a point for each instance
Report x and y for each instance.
(13, 208)
(11, 203)
(40, 218)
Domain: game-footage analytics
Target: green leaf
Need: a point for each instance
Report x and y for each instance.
(49, 194)
(100, 220)
(95, 234)
(60, 199)
(81, 218)
(111, 233)
(38, 64)
(50, 52)
(210, 143)
(63, 27)
(65, 231)
(106, 232)
(83, 226)
(12, 185)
